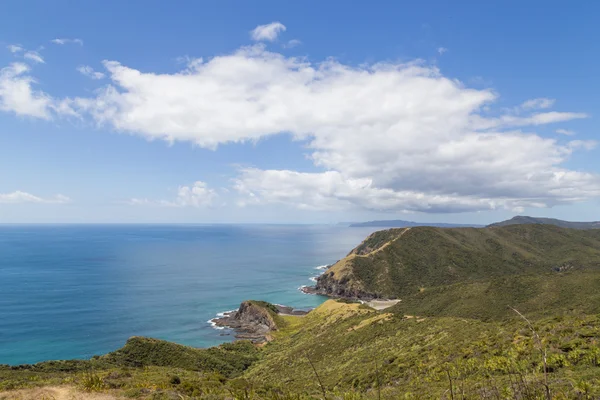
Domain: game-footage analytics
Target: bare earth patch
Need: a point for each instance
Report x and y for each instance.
(54, 393)
(381, 304)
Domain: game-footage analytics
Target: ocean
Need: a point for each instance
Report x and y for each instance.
(74, 291)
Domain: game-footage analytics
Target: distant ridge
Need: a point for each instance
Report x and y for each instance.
(525, 220)
(398, 223)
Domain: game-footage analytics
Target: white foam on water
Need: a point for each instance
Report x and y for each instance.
(214, 325)
(222, 314)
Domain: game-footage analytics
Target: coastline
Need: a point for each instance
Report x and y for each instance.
(229, 323)
(255, 320)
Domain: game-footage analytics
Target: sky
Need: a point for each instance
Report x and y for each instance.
(298, 112)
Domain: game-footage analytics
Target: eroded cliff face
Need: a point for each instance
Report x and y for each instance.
(328, 285)
(256, 316)
(255, 320)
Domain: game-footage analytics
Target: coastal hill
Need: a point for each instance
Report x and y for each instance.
(344, 350)
(521, 220)
(396, 263)
(398, 223)
(518, 220)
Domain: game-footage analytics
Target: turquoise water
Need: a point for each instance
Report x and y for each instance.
(73, 291)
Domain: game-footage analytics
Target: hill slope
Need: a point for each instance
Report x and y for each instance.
(354, 349)
(521, 220)
(398, 223)
(400, 262)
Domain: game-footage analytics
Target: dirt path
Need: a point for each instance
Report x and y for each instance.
(386, 244)
(381, 304)
(55, 393)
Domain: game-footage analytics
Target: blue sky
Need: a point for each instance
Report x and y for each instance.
(147, 111)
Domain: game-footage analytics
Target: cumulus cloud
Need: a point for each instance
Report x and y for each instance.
(34, 56)
(539, 103)
(18, 197)
(386, 136)
(442, 50)
(62, 41)
(383, 136)
(268, 32)
(196, 195)
(17, 95)
(88, 71)
(565, 132)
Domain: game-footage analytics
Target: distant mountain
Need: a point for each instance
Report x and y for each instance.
(524, 220)
(398, 223)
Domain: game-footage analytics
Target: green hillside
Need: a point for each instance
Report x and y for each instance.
(539, 295)
(520, 220)
(399, 262)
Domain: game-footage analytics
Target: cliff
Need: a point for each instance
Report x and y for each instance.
(255, 320)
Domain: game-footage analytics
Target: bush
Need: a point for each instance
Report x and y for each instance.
(92, 382)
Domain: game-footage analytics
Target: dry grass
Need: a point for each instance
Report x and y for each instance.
(55, 393)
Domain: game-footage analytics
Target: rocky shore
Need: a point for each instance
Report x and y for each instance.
(327, 285)
(255, 320)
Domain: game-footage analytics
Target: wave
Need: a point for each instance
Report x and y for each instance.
(219, 315)
(214, 325)
(222, 314)
(313, 278)
(322, 267)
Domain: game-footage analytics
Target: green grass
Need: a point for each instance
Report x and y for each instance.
(426, 257)
(355, 350)
(537, 295)
(229, 359)
(351, 350)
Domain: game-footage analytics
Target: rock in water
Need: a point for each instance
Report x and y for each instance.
(254, 320)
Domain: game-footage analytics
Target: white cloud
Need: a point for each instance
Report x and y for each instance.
(18, 197)
(385, 136)
(18, 96)
(196, 195)
(388, 136)
(67, 41)
(15, 48)
(89, 72)
(292, 43)
(268, 32)
(565, 132)
(442, 50)
(582, 144)
(34, 56)
(539, 103)
(510, 120)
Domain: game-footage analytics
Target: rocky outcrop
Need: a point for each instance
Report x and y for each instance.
(328, 285)
(255, 320)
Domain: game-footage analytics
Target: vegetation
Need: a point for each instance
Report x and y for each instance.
(539, 295)
(425, 257)
(497, 313)
(520, 220)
